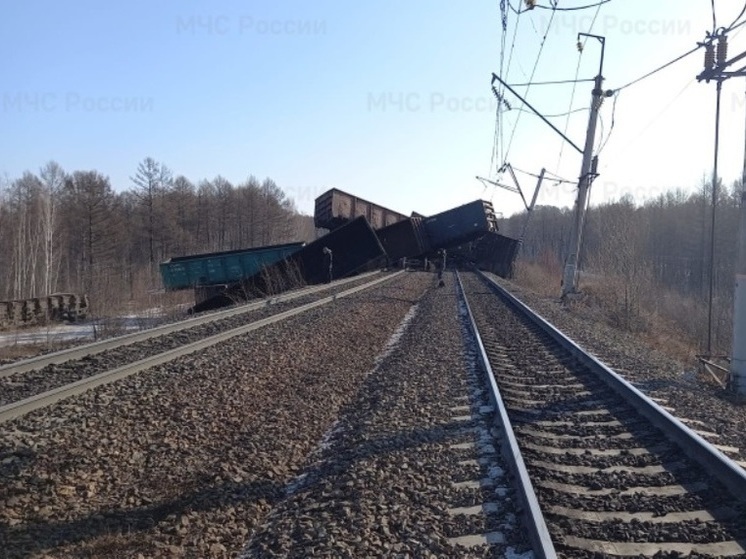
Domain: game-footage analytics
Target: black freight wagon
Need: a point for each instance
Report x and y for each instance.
(492, 252)
(354, 247)
(460, 225)
(404, 239)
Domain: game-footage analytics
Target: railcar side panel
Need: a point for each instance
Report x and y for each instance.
(185, 272)
(334, 208)
(404, 239)
(460, 225)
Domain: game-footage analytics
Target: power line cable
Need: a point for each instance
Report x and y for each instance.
(553, 7)
(743, 10)
(498, 114)
(555, 82)
(611, 128)
(664, 66)
(735, 26)
(553, 174)
(498, 118)
(554, 177)
(504, 71)
(531, 78)
(574, 87)
(556, 115)
(714, 20)
(732, 27)
(658, 115)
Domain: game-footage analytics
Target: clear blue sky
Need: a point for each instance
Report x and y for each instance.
(388, 100)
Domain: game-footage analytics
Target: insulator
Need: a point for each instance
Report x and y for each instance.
(530, 4)
(722, 52)
(580, 46)
(709, 56)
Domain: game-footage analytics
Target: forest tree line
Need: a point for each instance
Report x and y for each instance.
(72, 232)
(650, 258)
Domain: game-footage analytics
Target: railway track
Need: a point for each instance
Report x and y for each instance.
(42, 381)
(344, 450)
(411, 467)
(188, 459)
(611, 472)
(694, 399)
(94, 348)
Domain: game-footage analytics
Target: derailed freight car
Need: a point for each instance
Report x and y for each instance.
(424, 236)
(351, 248)
(404, 239)
(334, 208)
(492, 252)
(347, 250)
(460, 225)
(221, 268)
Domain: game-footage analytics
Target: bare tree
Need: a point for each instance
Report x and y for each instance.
(23, 203)
(90, 218)
(53, 179)
(73, 233)
(223, 197)
(152, 179)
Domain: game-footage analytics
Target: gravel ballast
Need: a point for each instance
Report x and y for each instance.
(701, 405)
(29, 383)
(397, 474)
(186, 460)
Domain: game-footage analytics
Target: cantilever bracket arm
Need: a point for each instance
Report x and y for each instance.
(495, 77)
(517, 184)
(495, 183)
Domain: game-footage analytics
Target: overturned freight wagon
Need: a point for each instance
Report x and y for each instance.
(352, 248)
(418, 236)
(460, 225)
(347, 250)
(334, 208)
(404, 239)
(221, 268)
(492, 252)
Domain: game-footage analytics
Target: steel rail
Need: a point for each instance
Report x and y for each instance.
(693, 445)
(112, 343)
(538, 533)
(22, 407)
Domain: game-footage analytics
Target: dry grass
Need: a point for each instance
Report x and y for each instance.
(537, 278)
(16, 352)
(662, 320)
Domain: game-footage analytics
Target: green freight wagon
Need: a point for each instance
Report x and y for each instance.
(220, 268)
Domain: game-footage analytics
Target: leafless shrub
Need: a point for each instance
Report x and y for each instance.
(282, 277)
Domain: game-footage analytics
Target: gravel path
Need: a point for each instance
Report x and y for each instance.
(187, 459)
(399, 474)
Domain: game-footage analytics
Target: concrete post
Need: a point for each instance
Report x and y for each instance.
(569, 281)
(738, 363)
